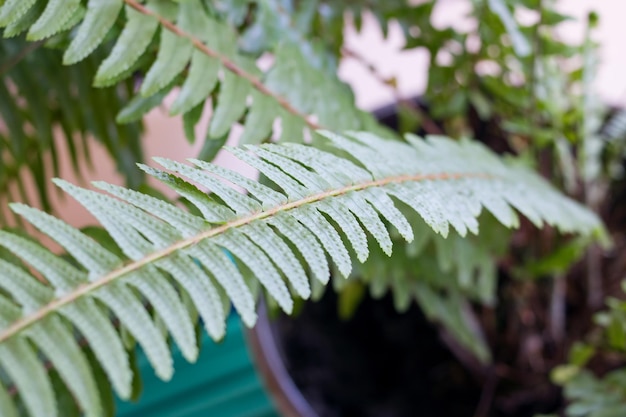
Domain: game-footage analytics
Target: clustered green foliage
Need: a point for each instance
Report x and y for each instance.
(36, 101)
(157, 269)
(597, 397)
(590, 395)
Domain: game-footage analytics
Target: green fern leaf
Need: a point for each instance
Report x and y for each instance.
(185, 26)
(120, 220)
(370, 220)
(100, 17)
(340, 171)
(212, 212)
(57, 343)
(131, 44)
(139, 106)
(30, 293)
(74, 19)
(58, 272)
(278, 251)
(98, 331)
(238, 202)
(194, 37)
(53, 19)
(260, 121)
(27, 372)
(201, 291)
(348, 224)
(229, 277)
(191, 119)
(118, 298)
(202, 78)
(383, 204)
(220, 37)
(174, 54)
(131, 313)
(292, 127)
(50, 99)
(293, 189)
(422, 197)
(7, 407)
(231, 104)
(297, 171)
(328, 236)
(306, 243)
(264, 194)
(186, 223)
(24, 22)
(12, 10)
(252, 256)
(103, 339)
(203, 71)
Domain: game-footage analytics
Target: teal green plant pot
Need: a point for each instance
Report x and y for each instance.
(222, 383)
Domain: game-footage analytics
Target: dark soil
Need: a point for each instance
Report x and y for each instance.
(379, 363)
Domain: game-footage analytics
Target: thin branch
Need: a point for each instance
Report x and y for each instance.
(226, 62)
(107, 279)
(593, 192)
(488, 392)
(595, 290)
(428, 124)
(17, 58)
(462, 354)
(557, 309)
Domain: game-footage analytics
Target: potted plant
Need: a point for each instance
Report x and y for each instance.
(348, 188)
(569, 143)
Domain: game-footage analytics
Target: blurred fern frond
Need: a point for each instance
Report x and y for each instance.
(195, 46)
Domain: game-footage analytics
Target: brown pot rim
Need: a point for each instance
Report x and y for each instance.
(286, 396)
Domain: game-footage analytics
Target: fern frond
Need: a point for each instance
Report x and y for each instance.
(321, 198)
(198, 51)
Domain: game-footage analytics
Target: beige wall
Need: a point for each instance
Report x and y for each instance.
(410, 67)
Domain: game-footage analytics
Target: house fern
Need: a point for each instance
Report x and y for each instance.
(323, 204)
(70, 322)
